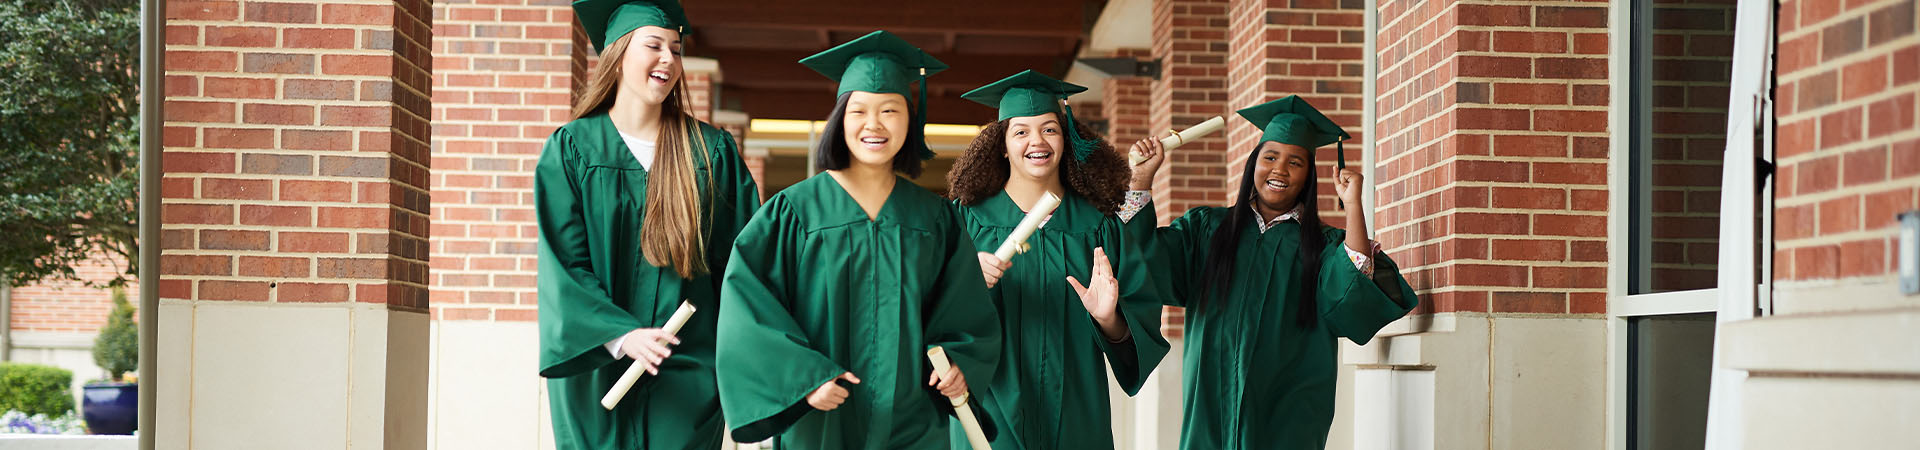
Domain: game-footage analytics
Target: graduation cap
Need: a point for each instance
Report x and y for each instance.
(608, 20)
(1031, 93)
(1291, 120)
(880, 63)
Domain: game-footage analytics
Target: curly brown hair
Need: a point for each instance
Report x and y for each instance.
(983, 170)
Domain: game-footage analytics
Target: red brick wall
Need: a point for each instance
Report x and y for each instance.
(1847, 148)
(296, 144)
(1125, 103)
(70, 306)
(1492, 153)
(504, 73)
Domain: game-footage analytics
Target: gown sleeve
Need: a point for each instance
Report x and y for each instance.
(765, 362)
(1140, 300)
(735, 205)
(1175, 253)
(577, 314)
(960, 317)
(1354, 305)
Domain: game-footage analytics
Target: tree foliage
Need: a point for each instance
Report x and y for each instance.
(69, 136)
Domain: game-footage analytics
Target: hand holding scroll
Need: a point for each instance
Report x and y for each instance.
(992, 267)
(1148, 154)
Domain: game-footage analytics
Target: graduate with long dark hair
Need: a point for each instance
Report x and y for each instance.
(638, 205)
(840, 284)
(1079, 298)
(1269, 288)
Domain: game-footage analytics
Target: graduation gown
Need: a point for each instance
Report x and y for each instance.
(1051, 391)
(595, 286)
(816, 289)
(1253, 377)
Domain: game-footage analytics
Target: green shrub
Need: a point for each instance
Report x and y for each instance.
(118, 348)
(36, 389)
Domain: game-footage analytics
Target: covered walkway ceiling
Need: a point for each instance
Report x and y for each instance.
(758, 44)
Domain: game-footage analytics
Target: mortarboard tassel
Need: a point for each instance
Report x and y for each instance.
(1081, 147)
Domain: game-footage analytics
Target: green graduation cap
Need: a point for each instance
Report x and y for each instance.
(1031, 93)
(607, 20)
(1291, 120)
(880, 63)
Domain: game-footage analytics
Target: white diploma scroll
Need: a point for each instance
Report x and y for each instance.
(634, 371)
(1017, 241)
(938, 356)
(1175, 140)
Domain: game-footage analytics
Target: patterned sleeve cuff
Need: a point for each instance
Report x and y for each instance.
(1135, 201)
(1363, 261)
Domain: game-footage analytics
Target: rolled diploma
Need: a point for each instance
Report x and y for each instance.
(1193, 133)
(634, 371)
(1018, 238)
(938, 356)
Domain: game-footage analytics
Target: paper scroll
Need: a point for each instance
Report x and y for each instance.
(938, 356)
(634, 371)
(1017, 241)
(1175, 140)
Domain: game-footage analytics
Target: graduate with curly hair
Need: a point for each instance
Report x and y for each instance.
(1064, 308)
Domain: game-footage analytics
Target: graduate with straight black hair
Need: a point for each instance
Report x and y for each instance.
(638, 204)
(1080, 297)
(1269, 288)
(841, 283)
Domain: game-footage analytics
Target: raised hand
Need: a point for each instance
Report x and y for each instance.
(1101, 295)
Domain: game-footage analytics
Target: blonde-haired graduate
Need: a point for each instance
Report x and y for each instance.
(841, 283)
(638, 205)
(1269, 290)
(1079, 299)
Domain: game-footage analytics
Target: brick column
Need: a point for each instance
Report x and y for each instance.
(1848, 147)
(1310, 48)
(1190, 39)
(1126, 103)
(503, 80)
(295, 223)
(1492, 154)
(702, 76)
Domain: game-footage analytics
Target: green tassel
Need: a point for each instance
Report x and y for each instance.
(920, 117)
(1082, 148)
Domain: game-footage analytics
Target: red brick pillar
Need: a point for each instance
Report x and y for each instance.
(1310, 48)
(1492, 154)
(1126, 103)
(1190, 40)
(295, 224)
(503, 81)
(1848, 146)
(702, 75)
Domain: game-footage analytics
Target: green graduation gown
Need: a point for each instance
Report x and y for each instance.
(816, 289)
(595, 286)
(1050, 391)
(1253, 377)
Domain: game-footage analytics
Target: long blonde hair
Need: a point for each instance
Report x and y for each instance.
(671, 232)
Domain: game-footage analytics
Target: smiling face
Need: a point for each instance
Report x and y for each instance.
(1280, 173)
(874, 126)
(651, 65)
(1034, 146)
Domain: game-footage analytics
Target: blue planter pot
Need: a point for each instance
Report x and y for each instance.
(111, 408)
